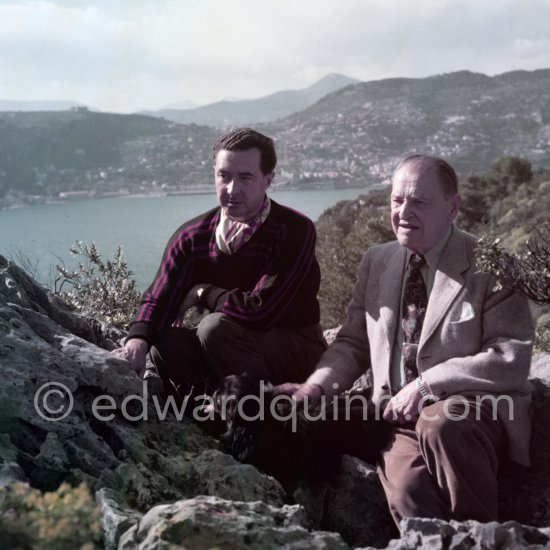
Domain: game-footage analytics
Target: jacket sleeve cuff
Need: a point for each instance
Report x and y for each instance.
(142, 330)
(213, 297)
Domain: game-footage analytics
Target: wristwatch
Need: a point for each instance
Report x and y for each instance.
(426, 395)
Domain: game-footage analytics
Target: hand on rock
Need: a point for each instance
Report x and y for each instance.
(135, 352)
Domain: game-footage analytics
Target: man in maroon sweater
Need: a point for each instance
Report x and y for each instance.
(251, 264)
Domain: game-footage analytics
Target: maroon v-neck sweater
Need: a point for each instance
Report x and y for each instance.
(272, 280)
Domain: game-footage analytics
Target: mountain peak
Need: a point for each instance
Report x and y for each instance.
(252, 111)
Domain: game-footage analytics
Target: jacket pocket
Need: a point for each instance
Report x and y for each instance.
(464, 336)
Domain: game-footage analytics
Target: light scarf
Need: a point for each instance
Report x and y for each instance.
(231, 234)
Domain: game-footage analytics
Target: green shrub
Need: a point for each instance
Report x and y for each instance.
(344, 233)
(103, 290)
(527, 271)
(66, 519)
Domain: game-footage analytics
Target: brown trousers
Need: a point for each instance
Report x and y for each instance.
(445, 467)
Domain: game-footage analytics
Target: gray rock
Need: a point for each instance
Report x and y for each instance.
(211, 522)
(11, 472)
(524, 493)
(353, 504)
(220, 474)
(22, 290)
(540, 367)
(133, 445)
(116, 516)
(432, 533)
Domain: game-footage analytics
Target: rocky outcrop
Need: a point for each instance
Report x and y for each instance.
(70, 411)
(211, 522)
(434, 533)
(352, 503)
(525, 492)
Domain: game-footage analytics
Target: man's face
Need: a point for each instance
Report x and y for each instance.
(420, 212)
(240, 183)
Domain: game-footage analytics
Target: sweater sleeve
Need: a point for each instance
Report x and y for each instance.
(161, 301)
(281, 279)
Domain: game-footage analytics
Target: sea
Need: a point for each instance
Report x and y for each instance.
(142, 225)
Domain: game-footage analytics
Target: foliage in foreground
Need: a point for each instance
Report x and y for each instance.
(66, 519)
(103, 290)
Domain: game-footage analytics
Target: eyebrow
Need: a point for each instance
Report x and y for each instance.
(413, 197)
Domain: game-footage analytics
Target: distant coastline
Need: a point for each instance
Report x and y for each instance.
(67, 197)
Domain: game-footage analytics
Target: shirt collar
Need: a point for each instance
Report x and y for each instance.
(433, 255)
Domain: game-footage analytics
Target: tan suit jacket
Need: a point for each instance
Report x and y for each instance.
(475, 341)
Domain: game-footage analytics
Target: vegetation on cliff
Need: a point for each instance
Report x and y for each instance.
(104, 290)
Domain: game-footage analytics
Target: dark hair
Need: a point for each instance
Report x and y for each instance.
(242, 139)
(445, 172)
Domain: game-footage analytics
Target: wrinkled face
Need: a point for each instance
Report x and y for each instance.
(420, 212)
(240, 183)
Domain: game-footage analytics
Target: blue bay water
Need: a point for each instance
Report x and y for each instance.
(142, 225)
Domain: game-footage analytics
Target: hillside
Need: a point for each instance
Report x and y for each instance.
(244, 112)
(357, 134)
(45, 153)
(351, 137)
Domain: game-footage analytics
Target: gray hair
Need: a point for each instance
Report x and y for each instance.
(446, 174)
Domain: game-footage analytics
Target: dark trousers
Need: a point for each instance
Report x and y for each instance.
(445, 468)
(199, 359)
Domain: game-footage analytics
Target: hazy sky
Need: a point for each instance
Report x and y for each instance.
(127, 55)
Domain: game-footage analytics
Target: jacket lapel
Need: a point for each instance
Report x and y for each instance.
(447, 283)
(389, 298)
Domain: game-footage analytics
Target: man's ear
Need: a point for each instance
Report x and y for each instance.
(270, 177)
(456, 201)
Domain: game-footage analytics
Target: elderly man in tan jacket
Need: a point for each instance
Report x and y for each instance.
(449, 355)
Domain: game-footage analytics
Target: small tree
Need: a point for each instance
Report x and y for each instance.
(103, 290)
(528, 270)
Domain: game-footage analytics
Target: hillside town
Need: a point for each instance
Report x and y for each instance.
(350, 138)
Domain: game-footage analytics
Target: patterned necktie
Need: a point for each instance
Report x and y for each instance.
(415, 301)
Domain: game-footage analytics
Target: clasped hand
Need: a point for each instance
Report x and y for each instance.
(404, 406)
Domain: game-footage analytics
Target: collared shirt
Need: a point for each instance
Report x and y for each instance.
(231, 234)
(428, 271)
